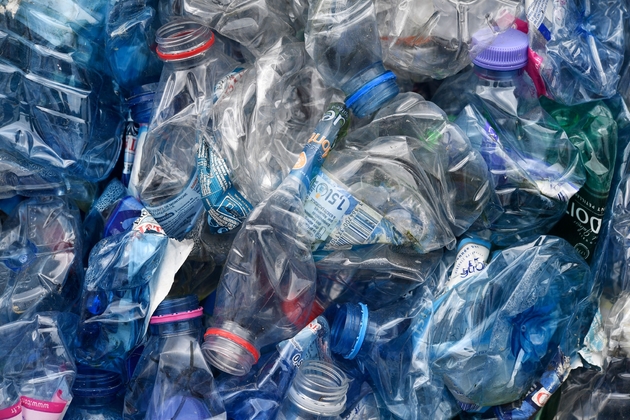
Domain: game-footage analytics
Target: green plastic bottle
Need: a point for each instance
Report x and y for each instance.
(591, 127)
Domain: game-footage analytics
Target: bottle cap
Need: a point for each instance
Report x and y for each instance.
(349, 329)
(179, 309)
(373, 95)
(507, 52)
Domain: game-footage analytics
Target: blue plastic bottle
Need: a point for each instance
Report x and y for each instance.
(172, 380)
(390, 344)
(343, 40)
(96, 395)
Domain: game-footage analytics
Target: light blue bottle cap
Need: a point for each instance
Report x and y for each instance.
(373, 95)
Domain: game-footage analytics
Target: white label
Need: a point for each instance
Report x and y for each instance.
(541, 397)
(178, 215)
(33, 409)
(536, 12)
(325, 206)
(471, 259)
(355, 228)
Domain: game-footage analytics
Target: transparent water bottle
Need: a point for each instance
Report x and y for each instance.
(167, 166)
(343, 40)
(318, 392)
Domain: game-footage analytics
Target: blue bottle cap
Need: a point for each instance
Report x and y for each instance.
(91, 382)
(373, 95)
(349, 329)
(122, 217)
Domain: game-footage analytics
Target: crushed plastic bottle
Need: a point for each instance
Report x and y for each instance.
(534, 167)
(342, 38)
(119, 289)
(267, 286)
(533, 302)
(165, 166)
(40, 259)
(172, 380)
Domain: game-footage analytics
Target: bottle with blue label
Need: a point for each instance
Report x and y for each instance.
(389, 344)
(267, 287)
(41, 267)
(259, 394)
(343, 39)
(172, 380)
(517, 324)
(473, 254)
(166, 177)
(96, 395)
(533, 166)
(318, 391)
(119, 288)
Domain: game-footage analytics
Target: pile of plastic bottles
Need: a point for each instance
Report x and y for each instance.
(324, 209)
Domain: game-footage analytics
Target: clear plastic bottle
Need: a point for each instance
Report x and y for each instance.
(172, 380)
(96, 395)
(534, 167)
(267, 287)
(166, 177)
(343, 40)
(140, 105)
(318, 392)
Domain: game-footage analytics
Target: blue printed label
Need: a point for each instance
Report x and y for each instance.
(336, 216)
(226, 207)
(303, 346)
(471, 259)
(177, 216)
(326, 133)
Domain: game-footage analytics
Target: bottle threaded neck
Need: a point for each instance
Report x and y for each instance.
(183, 39)
(319, 388)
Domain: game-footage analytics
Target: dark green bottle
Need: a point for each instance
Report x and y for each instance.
(591, 127)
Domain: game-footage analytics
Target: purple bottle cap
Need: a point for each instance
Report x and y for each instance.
(507, 52)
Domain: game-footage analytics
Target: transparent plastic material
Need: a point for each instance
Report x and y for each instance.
(318, 392)
(391, 346)
(533, 166)
(172, 380)
(410, 178)
(579, 47)
(96, 395)
(267, 286)
(434, 38)
(376, 275)
(117, 294)
(58, 113)
(259, 394)
(365, 408)
(40, 259)
(35, 363)
(165, 170)
(261, 120)
(342, 38)
(130, 28)
(532, 302)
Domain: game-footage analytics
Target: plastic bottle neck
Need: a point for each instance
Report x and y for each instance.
(319, 388)
(350, 329)
(184, 42)
(498, 75)
(176, 317)
(95, 388)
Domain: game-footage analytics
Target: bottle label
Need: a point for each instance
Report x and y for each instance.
(177, 216)
(129, 151)
(472, 258)
(146, 223)
(328, 130)
(33, 409)
(303, 346)
(536, 10)
(594, 342)
(12, 413)
(226, 85)
(582, 221)
(226, 207)
(335, 215)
